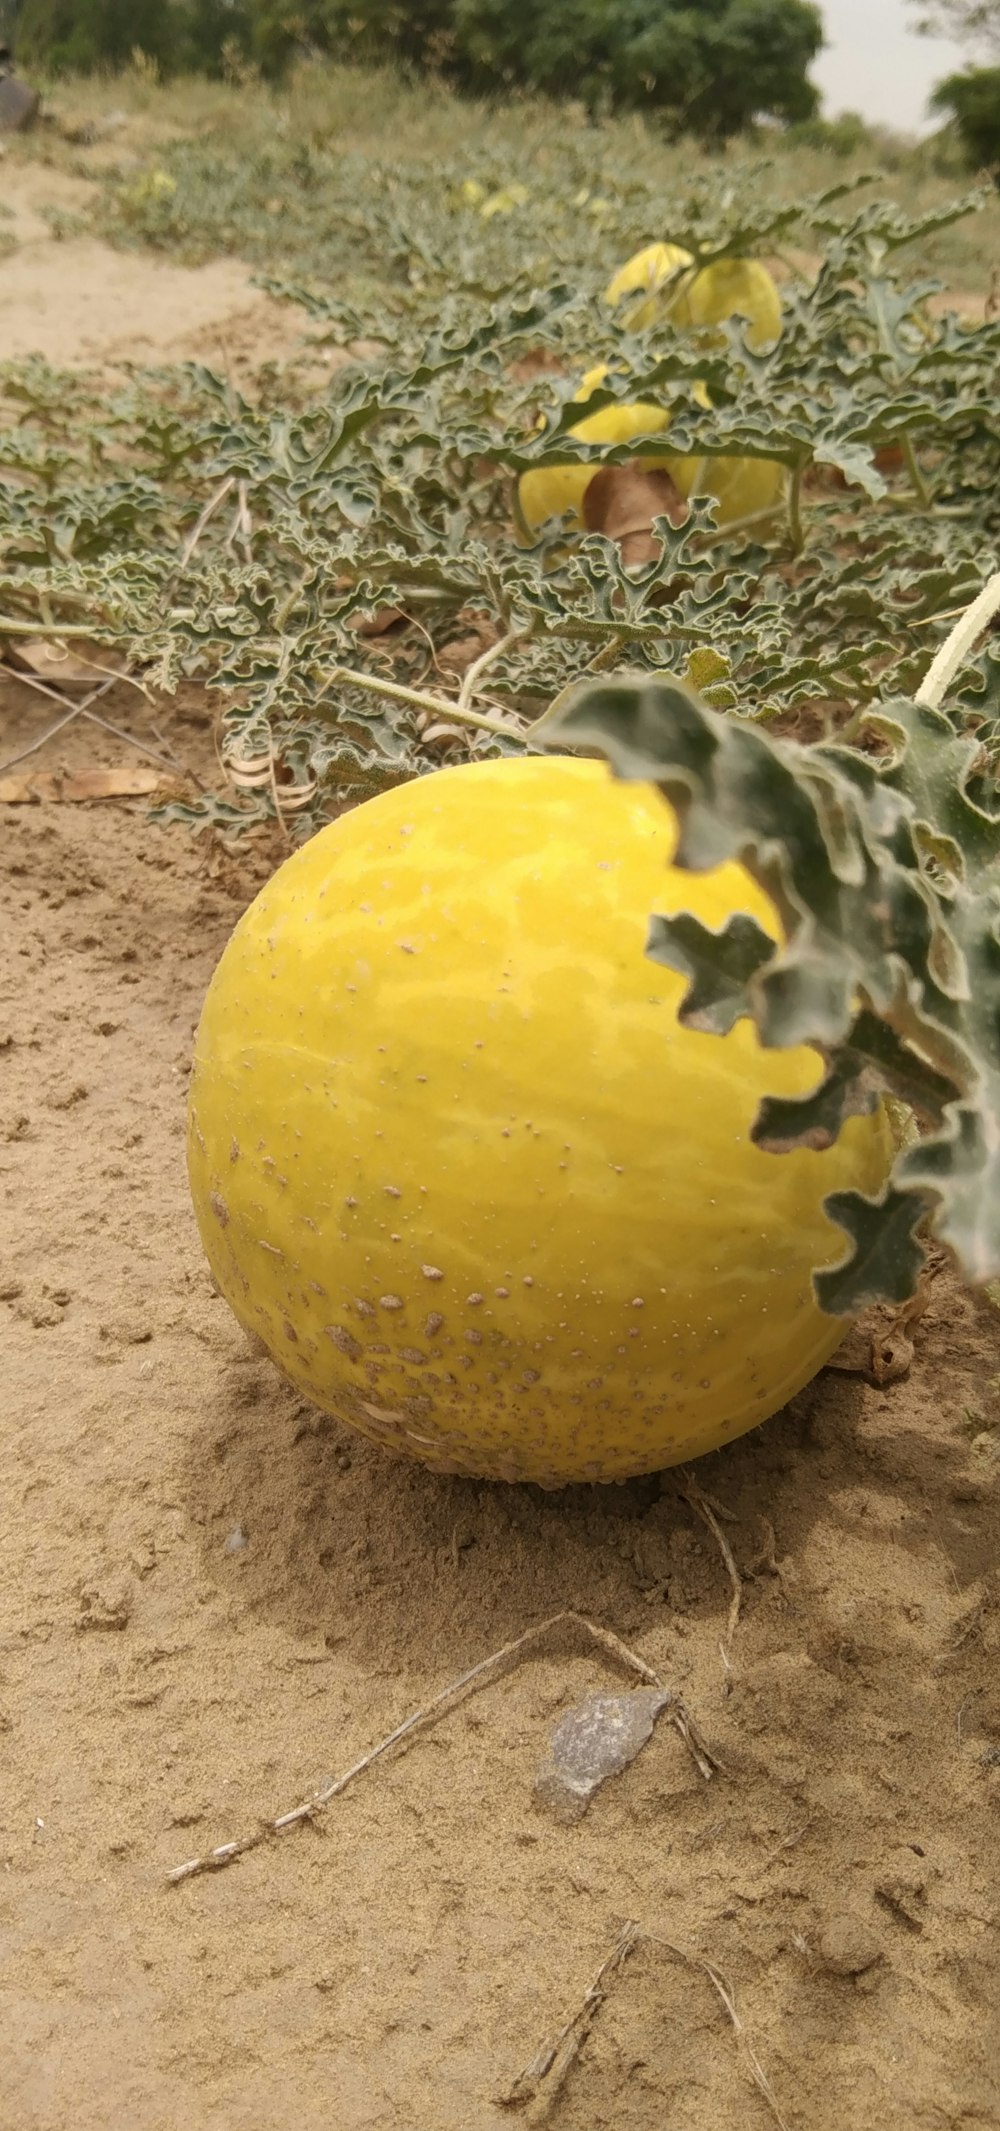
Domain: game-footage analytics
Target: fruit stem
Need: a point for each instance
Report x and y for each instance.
(957, 646)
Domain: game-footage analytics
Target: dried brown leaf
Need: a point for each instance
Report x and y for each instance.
(625, 501)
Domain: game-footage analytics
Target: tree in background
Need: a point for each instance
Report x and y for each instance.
(74, 36)
(713, 67)
(710, 66)
(81, 36)
(969, 100)
(967, 21)
(972, 102)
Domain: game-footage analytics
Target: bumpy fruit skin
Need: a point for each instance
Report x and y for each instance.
(551, 491)
(730, 288)
(647, 271)
(743, 488)
(457, 1163)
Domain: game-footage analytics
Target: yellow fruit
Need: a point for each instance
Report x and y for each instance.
(743, 488)
(730, 288)
(647, 270)
(505, 201)
(456, 1162)
(733, 288)
(551, 491)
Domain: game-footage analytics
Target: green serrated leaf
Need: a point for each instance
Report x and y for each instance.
(885, 1260)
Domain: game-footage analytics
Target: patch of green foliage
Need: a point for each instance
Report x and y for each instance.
(972, 101)
(325, 562)
(174, 36)
(711, 67)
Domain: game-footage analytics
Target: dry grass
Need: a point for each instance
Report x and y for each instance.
(378, 113)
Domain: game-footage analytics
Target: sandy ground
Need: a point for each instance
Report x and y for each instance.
(212, 1598)
(75, 301)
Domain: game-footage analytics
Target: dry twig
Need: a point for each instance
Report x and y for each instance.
(725, 1992)
(542, 2080)
(700, 1502)
(83, 710)
(538, 2086)
(218, 496)
(571, 1627)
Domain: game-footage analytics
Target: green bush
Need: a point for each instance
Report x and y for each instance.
(847, 135)
(710, 68)
(86, 36)
(972, 101)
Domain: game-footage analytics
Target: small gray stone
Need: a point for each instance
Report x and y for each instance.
(595, 1740)
(18, 105)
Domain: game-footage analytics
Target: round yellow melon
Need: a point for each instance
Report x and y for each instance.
(553, 491)
(743, 488)
(456, 1162)
(645, 276)
(708, 296)
(732, 288)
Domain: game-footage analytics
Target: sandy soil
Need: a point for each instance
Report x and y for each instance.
(75, 301)
(212, 1598)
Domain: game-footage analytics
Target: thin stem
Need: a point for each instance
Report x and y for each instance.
(920, 488)
(957, 646)
(72, 710)
(82, 710)
(49, 734)
(10, 627)
(795, 508)
(479, 665)
(442, 706)
(202, 520)
(166, 761)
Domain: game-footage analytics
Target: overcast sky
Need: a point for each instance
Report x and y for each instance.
(874, 64)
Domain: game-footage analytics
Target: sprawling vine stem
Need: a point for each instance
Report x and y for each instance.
(422, 699)
(956, 647)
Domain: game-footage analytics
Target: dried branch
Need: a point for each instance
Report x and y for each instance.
(539, 2085)
(570, 1627)
(700, 1503)
(553, 2061)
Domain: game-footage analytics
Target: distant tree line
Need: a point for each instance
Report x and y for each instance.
(971, 98)
(87, 36)
(710, 66)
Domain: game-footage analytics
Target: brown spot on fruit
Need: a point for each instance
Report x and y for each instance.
(344, 1341)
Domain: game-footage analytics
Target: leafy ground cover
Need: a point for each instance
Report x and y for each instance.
(272, 549)
(348, 572)
(212, 1600)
